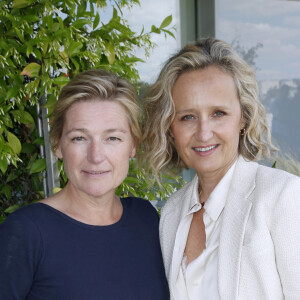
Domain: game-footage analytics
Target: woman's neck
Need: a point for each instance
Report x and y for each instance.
(102, 210)
(208, 181)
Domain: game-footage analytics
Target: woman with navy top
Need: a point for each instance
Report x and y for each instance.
(84, 242)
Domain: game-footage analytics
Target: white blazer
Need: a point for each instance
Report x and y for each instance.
(259, 251)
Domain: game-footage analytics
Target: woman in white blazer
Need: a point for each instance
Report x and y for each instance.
(233, 232)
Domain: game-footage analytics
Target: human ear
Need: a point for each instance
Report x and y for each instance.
(242, 123)
(133, 152)
(57, 152)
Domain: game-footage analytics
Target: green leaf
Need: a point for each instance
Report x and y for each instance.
(38, 166)
(6, 190)
(10, 62)
(4, 45)
(20, 35)
(61, 80)
(166, 22)
(131, 180)
(3, 164)
(22, 116)
(37, 53)
(61, 23)
(31, 18)
(31, 70)
(169, 33)
(39, 141)
(80, 23)
(110, 53)
(155, 29)
(6, 120)
(133, 59)
(12, 208)
(20, 3)
(29, 49)
(55, 27)
(74, 48)
(12, 176)
(27, 148)
(115, 14)
(49, 20)
(14, 142)
(274, 165)
(56, 190)
(75, 62)
(12, 92)
(96, 21)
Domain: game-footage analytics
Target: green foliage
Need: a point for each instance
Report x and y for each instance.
(43, 44)
(138, 184)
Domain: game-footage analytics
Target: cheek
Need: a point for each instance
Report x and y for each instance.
(181, 133)
(233, 136)
(73, 154)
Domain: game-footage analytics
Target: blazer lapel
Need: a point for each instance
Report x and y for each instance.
(235, 216)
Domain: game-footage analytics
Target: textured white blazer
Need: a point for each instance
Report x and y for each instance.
(259, 252)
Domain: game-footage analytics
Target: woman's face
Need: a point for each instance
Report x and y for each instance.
(207, 120)
(96, 145)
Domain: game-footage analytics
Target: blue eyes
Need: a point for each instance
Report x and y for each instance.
(78, 139)
(216, 114)
(113, 139)
(109, 139)
(188, 117)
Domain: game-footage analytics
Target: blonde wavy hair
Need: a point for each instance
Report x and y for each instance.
(158, 145)
(96, 85)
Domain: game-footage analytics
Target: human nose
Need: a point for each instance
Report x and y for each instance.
(204, 131)
(96, 153)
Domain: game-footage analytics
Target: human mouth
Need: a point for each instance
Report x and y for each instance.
(94, 173)
(205, 149)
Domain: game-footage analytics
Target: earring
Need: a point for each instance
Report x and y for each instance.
(242, 131)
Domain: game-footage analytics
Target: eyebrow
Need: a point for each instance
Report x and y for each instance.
(189, 110)
(83, 130)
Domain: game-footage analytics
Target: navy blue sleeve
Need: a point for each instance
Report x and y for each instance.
(20, 252)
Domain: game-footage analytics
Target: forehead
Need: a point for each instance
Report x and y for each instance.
(208, 75)
(209, 86)
(96, 113)
(202, 79)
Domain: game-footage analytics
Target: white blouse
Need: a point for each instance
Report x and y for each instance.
(198, 280)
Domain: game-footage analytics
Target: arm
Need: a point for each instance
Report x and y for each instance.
(20, 251)
(285, 231)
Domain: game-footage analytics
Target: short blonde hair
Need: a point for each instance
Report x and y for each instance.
(96, 85)
(159, 147)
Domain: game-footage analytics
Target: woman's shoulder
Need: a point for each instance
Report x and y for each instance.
(34, 218)
(23, 224)
(273, 176)
(29, 212)
(274, 184)
(264, 175)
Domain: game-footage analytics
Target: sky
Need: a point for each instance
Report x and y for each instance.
(149, 13)
(273, 23)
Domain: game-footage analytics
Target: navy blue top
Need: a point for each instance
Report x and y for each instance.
(45, 255)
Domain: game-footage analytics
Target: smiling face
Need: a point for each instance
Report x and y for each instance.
(96, 145)
(207, 120)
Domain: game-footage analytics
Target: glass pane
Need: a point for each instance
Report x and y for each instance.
(267, 34)
(153, 13)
